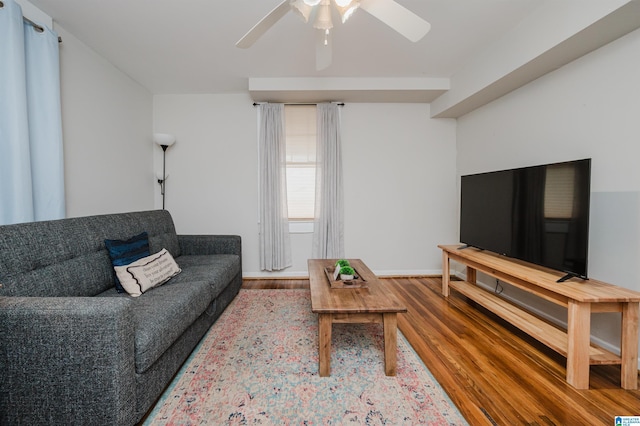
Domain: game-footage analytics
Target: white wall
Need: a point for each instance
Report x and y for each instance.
(586, 109)
(106, 124)
(212, 167)
(400, 199)
(399, 179)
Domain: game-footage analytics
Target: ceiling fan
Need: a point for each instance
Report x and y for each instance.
(319, 12)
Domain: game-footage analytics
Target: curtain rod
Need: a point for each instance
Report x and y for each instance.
(298, 103)
(38, 27)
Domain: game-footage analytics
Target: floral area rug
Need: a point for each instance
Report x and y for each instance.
(259, 365)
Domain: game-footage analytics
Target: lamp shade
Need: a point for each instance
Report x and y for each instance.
(164, 139)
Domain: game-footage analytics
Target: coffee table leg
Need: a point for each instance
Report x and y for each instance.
(390, 324)
(324, 344)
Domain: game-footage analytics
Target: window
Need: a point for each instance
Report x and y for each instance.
(300, 135)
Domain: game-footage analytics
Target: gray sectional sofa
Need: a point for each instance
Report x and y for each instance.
(73, 351)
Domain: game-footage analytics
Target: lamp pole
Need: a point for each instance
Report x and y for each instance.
(165, 141)
(164, 174)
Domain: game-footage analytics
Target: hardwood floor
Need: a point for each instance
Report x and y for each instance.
(494, 373)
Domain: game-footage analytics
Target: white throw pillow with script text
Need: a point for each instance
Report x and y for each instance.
(147, 273)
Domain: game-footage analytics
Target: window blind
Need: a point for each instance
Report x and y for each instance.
(300, 134)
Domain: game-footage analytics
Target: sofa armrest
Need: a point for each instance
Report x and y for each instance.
(210, 244)
(66, 360)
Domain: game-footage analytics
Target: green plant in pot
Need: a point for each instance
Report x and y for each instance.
(347, 273)
(342, 262)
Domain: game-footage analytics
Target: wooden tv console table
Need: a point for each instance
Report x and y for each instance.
(580, 297)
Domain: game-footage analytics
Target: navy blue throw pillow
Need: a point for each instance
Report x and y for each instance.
(124, 252)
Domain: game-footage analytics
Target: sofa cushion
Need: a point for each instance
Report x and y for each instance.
(124, 252)
(217, 270)
(146, 273)
(162, 315)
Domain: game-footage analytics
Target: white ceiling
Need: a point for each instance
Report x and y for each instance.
(188, 46)
(476, 51)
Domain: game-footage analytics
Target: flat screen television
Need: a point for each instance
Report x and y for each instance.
(538, 214)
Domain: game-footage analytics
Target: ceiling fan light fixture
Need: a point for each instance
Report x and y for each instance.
(312, 2)
(343, 3)
(347, 11)
(323, 19)
(302, 9)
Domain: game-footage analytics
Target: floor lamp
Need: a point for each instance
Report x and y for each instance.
(165, 141)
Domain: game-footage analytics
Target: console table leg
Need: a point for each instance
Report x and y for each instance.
(390, 325)
(445, 274)
(471, 275)
(324, 344)
(629, 346)
(579, 330)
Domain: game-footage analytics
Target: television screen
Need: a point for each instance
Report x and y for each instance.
(538, 214)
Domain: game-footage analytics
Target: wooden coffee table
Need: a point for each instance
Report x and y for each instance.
(372, 304)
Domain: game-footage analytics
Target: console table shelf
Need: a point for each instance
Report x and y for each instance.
(580, 297)
(544, 332)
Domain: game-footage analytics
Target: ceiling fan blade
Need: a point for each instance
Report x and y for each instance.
(324, 49)
(265, 23)
(397, 17)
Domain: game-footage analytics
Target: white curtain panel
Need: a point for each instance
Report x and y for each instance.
(328, 231)
(275, 245)
(31, 153)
